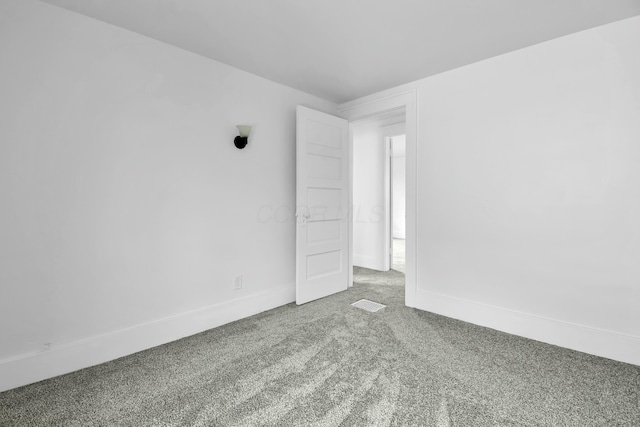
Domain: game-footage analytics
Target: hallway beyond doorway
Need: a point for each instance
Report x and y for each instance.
(399, 262)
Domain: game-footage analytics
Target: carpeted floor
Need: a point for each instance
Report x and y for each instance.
(328, 364)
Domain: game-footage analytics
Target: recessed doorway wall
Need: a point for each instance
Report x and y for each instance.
(372, 189)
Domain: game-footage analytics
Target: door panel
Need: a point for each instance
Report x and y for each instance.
(324, 167)
(320, 265)
(322, 211)
(323, 232)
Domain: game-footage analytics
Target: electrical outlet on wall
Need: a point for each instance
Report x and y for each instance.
(237, 283)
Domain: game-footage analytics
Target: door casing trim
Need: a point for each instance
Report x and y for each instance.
(370, 106)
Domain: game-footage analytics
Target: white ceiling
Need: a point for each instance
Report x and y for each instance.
(343, 49)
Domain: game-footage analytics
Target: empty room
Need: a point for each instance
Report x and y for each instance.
(319, 213)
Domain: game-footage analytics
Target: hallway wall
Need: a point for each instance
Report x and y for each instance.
(371, 187)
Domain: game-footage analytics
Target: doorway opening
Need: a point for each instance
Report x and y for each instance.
(378, 226)
(404, 101)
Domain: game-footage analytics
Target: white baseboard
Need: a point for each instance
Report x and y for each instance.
(399, 234)
(599, 342)
(367, 262)
(29, 368)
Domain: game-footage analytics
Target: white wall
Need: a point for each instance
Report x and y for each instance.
(126, 210)
(368, 196)
(529, 192)
(371, 201)
(398, 183)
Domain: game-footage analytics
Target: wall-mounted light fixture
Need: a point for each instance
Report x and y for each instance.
(241, 140)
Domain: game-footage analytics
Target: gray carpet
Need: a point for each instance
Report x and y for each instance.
(328, 364)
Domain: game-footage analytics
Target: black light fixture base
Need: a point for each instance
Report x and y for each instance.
(241, 142)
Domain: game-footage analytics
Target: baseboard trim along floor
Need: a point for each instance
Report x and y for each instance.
(61, 359)
(599, 342)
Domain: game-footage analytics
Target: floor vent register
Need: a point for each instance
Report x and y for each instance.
(367, 305)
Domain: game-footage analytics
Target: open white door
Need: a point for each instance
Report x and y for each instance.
(322, 211)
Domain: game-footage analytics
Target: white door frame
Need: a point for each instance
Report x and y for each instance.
(370, 106)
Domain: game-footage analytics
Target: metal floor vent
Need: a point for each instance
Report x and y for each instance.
(371, 306)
